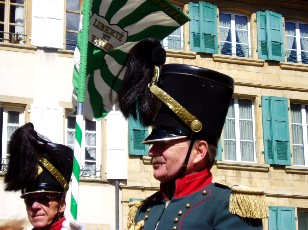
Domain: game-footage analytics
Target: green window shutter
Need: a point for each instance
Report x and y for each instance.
(267, 133)
(219, 151)
(194, 27)
(275, 38)
(137, 133)
(262, 36)
(270, 36)
(282, 218)
(203, 27)
(272, 219)
(280, 131)
(286, 218)
(208, 28)
(276, 135)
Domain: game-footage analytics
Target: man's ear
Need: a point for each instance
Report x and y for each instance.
(201, 148)
(62, 207)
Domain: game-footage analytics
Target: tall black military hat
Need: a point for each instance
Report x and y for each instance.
(178, 101)
(195, 102)
(37, 165)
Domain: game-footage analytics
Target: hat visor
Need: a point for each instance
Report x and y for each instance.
(39, 191)
(158, 135)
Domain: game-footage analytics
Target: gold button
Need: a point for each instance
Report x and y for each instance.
(146, 217)
(180, 213)
(174, 227)
(176, 220)
(196, 125)
(187, 205)
(148, 210)
(204, 192)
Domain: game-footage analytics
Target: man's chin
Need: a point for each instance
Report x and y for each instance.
(156, 166)
(38, 222)
(160, 177)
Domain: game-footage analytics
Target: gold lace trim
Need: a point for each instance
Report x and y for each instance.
(247, 202)
(133, 208)
(54, 172)
(177, 108)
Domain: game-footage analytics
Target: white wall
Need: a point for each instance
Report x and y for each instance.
(43, 76)
(96, 204)
(12, 207)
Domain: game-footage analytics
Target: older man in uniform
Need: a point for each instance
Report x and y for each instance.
(186, 107)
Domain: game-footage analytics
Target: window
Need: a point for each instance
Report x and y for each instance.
(299, 123)
(297, 42)
(12, 21)
(239, 131)
(234, 35)
(91, 159)
(73, 8)
(10, 119)
(302, 220)
(175, 40)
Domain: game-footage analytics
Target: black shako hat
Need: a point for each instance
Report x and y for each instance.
(37, 165)
(177, 100)
(195, 103)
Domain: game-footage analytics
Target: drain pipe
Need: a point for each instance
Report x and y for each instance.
(117, 204)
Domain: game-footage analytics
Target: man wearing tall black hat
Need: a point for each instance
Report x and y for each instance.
(42, 171)
(186, 107)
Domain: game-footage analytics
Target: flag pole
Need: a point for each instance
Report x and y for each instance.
(79, 146)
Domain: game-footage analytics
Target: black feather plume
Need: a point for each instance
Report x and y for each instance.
(135, 98)
(23, 160)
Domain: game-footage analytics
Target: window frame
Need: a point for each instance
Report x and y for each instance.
(304, 126)
(297, 36)
(233, 34)
(7, 39)
(5, 139)
(165, 41)
(300, 211)
(238, 139)
(98, 160)
(64, 24)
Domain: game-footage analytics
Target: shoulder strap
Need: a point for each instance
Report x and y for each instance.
(133, 208)
(247, 202)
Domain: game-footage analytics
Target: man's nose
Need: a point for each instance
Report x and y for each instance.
(36, 205)
(154, 151)
(150, 153)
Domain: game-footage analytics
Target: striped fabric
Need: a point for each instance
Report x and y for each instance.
(115, 26)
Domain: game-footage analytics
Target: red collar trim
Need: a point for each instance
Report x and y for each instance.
(188, 184)
(192, 183)
(58, 224)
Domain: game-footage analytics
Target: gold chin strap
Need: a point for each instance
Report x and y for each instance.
(179, 110)
(54, 172)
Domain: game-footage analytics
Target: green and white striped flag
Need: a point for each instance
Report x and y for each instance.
(115, 26)
(108, 30)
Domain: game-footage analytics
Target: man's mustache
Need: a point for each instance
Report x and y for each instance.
(157, 160)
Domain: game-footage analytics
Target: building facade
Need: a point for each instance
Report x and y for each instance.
(262, 44)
